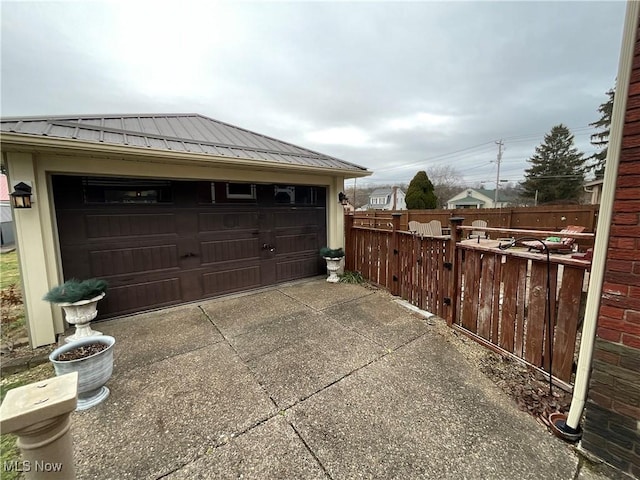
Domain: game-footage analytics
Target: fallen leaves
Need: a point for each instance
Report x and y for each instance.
(528, 388)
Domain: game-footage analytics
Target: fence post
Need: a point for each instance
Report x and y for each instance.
(395, 251)
(348, 242)
(454, 288)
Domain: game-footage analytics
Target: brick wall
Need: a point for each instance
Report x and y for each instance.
(612, 419)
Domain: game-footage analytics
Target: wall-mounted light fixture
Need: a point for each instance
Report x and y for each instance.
(343, 198)
(21, 195)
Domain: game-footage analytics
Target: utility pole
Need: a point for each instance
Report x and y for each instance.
(354, 193)
(500, 144)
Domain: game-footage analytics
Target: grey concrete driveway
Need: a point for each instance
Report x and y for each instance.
(308, 380)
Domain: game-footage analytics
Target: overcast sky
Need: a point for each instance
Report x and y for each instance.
(395, 87)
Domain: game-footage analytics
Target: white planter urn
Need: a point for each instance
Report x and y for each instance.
(80, 314)
(333, 265)
(93, 371)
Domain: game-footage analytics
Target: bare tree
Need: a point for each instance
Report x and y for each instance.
(447, 182)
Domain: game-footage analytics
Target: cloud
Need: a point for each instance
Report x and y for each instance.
(421, 121)
(393, 86)
(347, 136)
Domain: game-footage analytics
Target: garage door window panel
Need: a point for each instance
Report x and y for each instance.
(126, 191)
(241, 191)
(298, 195)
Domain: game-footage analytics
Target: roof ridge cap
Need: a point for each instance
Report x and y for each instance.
(97, 115)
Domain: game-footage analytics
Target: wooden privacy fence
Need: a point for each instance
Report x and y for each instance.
(497, 297)
(546, 217)
(407, 265)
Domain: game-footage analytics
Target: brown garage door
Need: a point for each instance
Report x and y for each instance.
(161, 243)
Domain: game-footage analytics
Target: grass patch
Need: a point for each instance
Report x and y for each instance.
(13, 327)
(11, 307)
(351, 277)
(9, 269)
(12, 319)
(9, 453)
(35, 374)
(8, 450)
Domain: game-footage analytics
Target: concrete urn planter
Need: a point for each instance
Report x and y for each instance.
(93, 371)
(333, 265)
(80, 314)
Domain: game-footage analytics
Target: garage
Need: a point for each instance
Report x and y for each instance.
(164, 242)
(168, 208)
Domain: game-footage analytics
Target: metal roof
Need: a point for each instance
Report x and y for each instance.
(491, 193)
(185, 133)
(383, 191)
(469, 201)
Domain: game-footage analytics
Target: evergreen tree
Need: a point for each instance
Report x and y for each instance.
(420, 194)
(600, 139)
(557, 168)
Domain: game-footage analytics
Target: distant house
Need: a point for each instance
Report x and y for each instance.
(348, 207)
(593, 191)
(6, 215)
(477, 198)
(386, 199)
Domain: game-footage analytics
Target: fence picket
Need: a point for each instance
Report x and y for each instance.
(508, 318)
(497, 299)
(521, 298)
(487, 271)
(536, 315)
(567, 324)
(553, 288)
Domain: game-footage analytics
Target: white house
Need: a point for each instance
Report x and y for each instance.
(477, 198)
(386, 199)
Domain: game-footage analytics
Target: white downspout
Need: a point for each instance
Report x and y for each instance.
(604, 219)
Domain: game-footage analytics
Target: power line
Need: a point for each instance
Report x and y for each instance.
(537, 135)
(478, 150)
(440, 157)
(499, 159)
(555, 176)
(528, 140)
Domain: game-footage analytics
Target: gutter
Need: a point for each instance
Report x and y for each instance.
(24, 143)
(604, 221)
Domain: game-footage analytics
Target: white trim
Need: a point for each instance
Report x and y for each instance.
(245, 196)
(601, 243)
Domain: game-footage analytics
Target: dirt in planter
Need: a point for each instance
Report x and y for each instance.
(82, 352)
